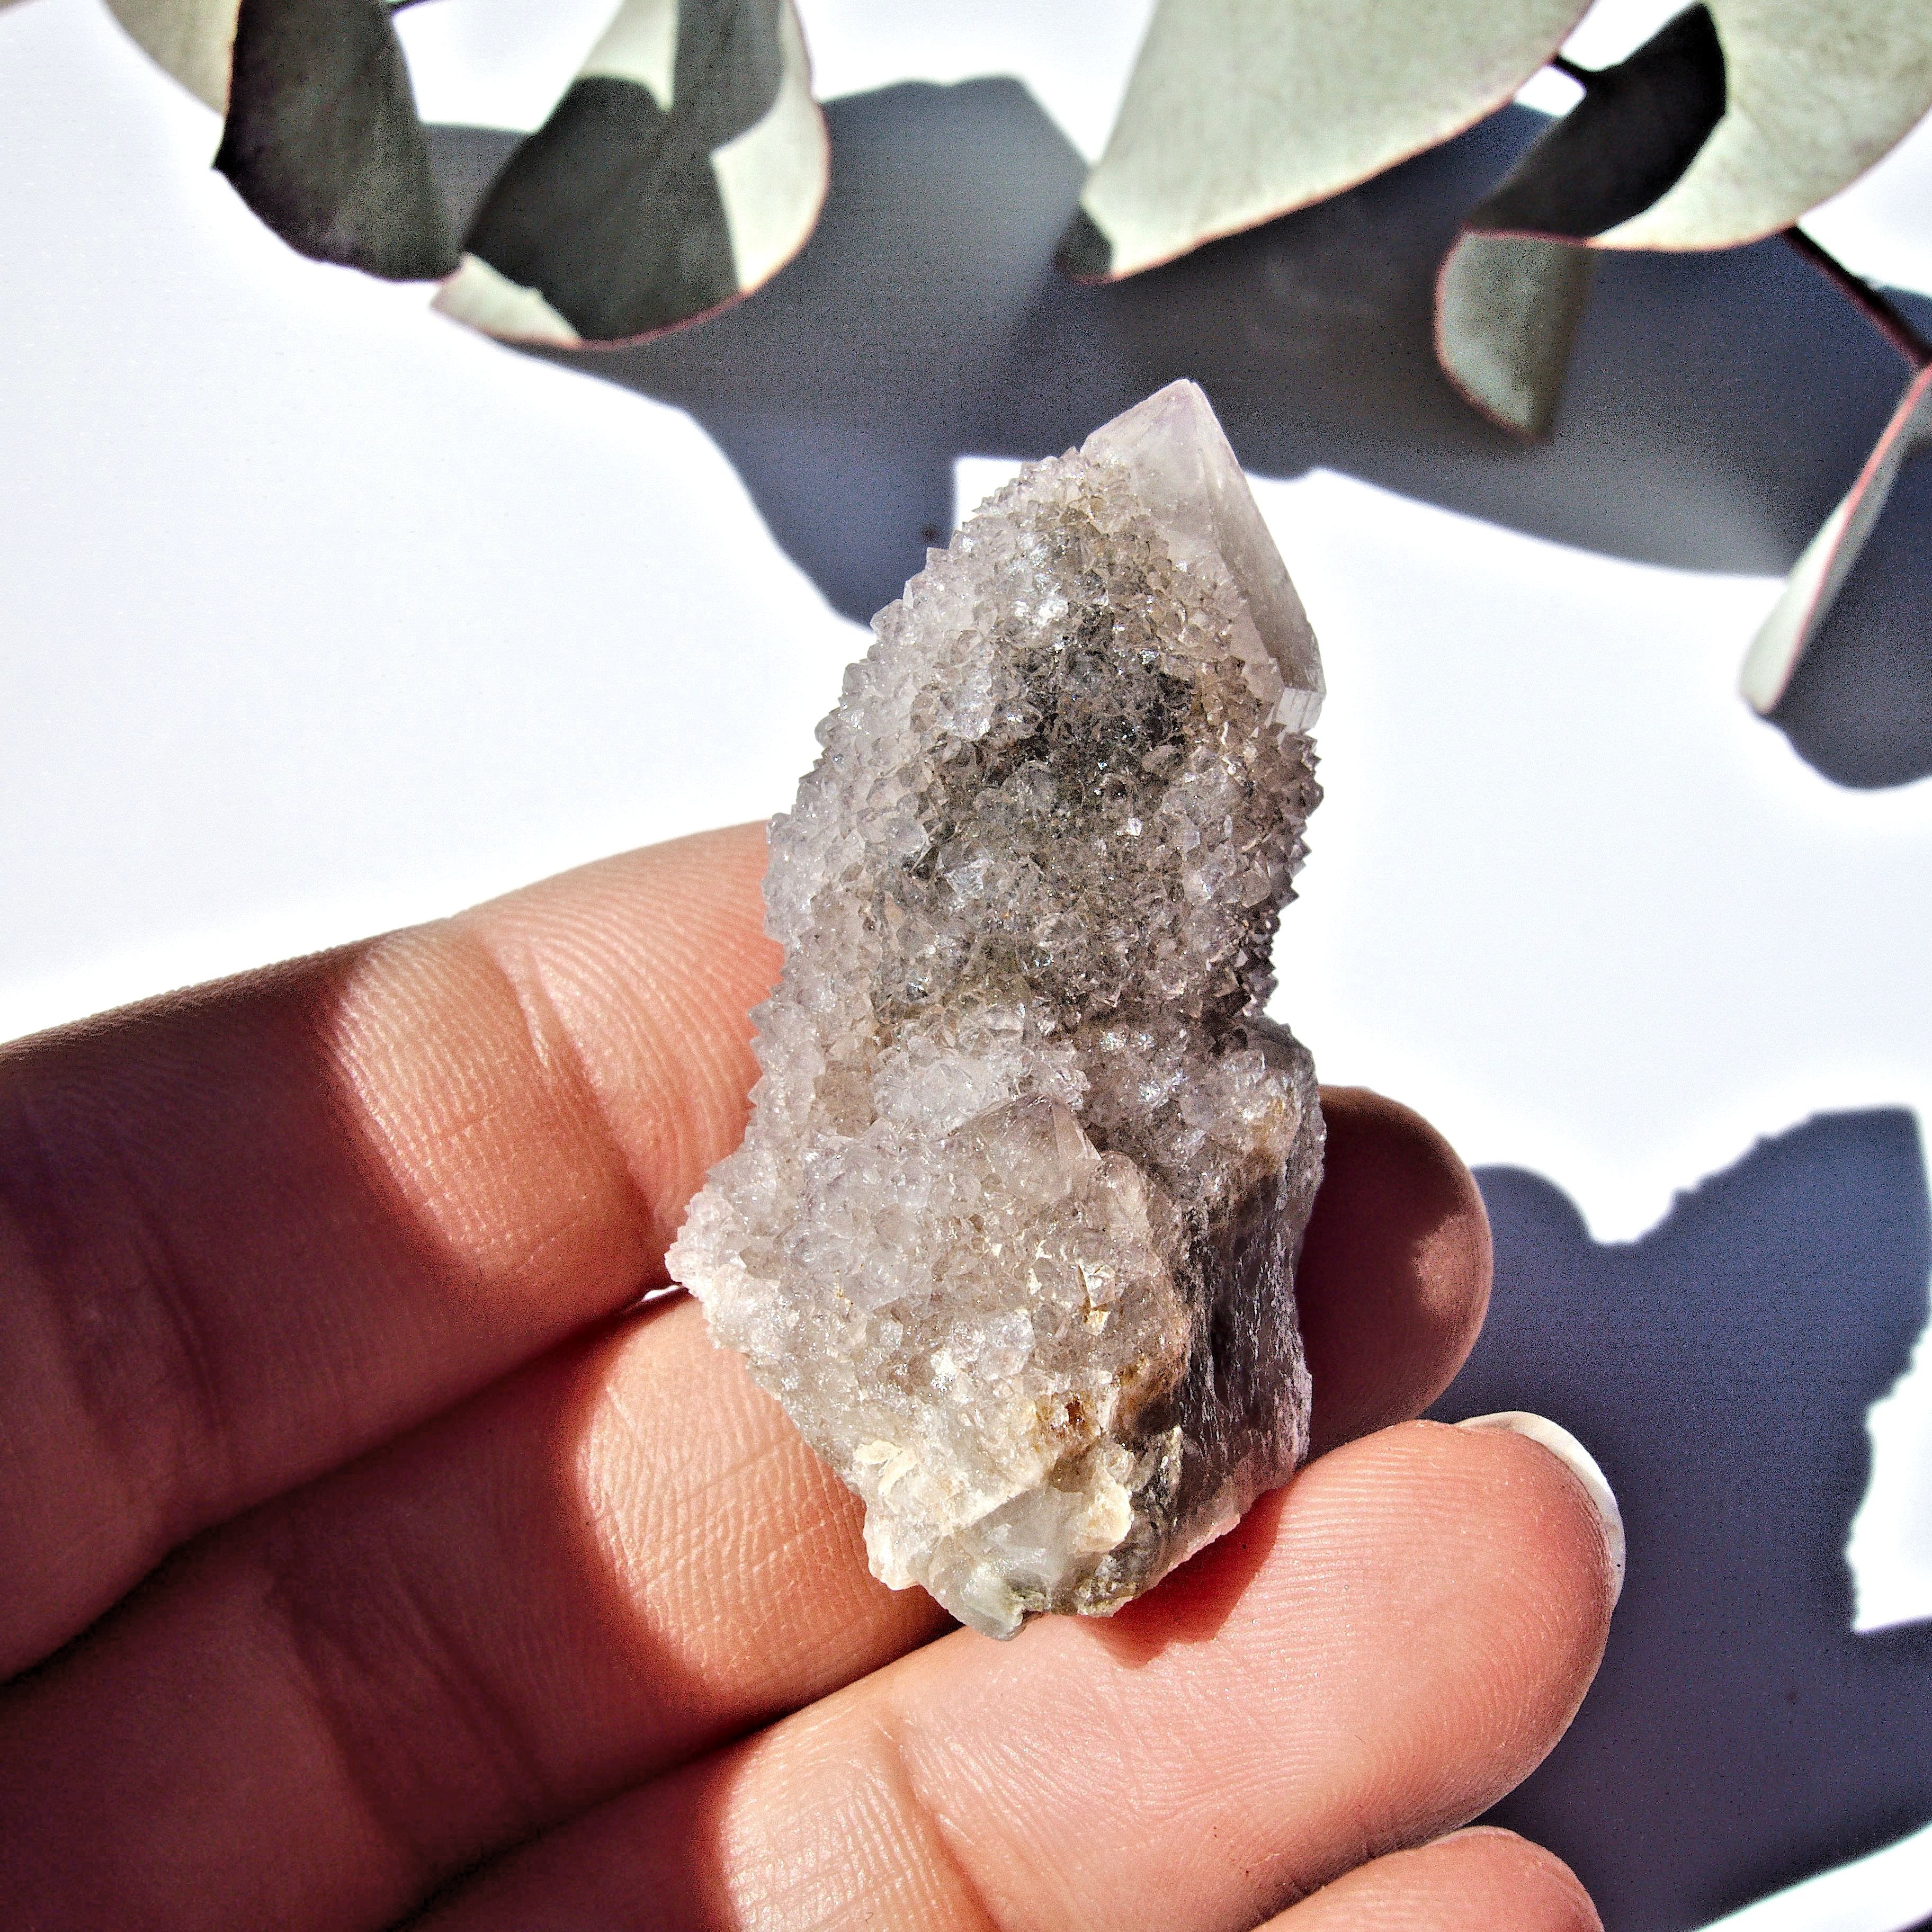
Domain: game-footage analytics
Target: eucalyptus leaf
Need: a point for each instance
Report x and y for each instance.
(1818, 91)
(1639, 126)
(1829, 559)
(1240, 110)
(1512, 290)
(323, 140)
(193, 40)
(684, 166)
(1507, 308)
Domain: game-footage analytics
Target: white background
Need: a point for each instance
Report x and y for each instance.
(319, 614)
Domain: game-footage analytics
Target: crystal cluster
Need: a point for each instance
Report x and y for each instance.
(1013, 1232)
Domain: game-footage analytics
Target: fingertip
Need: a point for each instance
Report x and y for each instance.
(640, 973)
(1394, 1278)
(1582, 1465)
(1565, 1558)
(1496, 1849)
(1474, 1880)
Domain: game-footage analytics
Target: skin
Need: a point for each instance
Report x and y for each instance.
(373, 1556)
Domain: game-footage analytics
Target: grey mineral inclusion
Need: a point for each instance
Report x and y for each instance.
(1013, 1229)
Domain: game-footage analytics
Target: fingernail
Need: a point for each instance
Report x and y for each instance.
(1581, 1464)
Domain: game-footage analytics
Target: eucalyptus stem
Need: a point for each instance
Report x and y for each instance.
(1883, 316)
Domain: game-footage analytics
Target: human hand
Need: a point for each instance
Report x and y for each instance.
(367, 1552)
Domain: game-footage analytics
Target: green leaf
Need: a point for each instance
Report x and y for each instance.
(1818, 575)
(1639, 126)
(684, 166)
(1818, 91)
(1240, 110)
(323, 140)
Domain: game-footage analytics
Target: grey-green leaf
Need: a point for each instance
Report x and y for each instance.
(684, 166)
(1639, 126)
(1818, 576)
(1511, 292)
(1239, 110)
(1818, 91)
(190, 39)
(1507, 308)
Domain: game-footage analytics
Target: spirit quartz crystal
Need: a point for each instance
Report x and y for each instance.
(1013, 1229)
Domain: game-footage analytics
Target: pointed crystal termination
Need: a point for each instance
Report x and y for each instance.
(1013, 1230)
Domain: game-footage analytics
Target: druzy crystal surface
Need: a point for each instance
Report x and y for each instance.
(1013, 1232)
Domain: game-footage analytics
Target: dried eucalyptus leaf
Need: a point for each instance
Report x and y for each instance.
(323, 142)
(685, 165)
(192, 40)
(1818, 575)
(1818, 91)
(1239, 110)
(1511, 293)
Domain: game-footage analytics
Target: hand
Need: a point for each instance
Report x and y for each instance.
(368, 1551)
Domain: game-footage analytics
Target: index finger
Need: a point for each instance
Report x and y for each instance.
(249, 1230)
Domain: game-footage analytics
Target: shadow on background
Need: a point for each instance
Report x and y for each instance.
(1717, 407)
(1740, 1736)
(1860, 708)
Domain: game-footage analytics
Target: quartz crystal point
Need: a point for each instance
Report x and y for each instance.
(1012, 1232)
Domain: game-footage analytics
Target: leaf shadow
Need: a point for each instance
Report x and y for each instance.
(1718, 405)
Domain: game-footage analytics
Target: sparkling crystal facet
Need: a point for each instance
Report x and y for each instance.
(1013, 1229)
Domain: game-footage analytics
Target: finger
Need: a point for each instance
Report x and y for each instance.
(1379, 1653)
(247, 1232)
(1394, 1278)
(619, 1558)
(1478, 1880)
